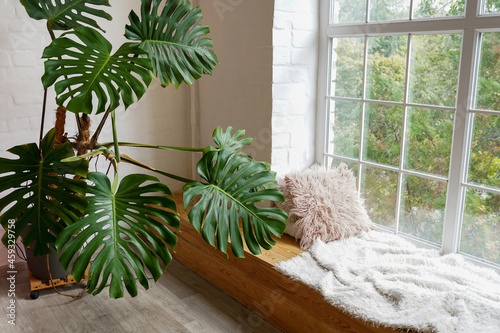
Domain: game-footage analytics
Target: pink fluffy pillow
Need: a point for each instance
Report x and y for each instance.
(324, 204)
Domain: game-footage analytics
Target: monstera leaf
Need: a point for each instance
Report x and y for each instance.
(173, 40)
(235, 185)
(38, 188)
(67, 14)
(116, 224)
(227, 140)
(87, 67)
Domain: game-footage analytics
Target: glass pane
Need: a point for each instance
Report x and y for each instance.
(382, 133)
(484, 165)
(349, 11)
(481, 225)
(347, 67)
(345, 117)
(488, 82)
(385, 10)
(422, 208)
(491, 7)
(335, 162)
(438, 8)
(379, 190)
(385, 71)
(434, 69)
(428, 142)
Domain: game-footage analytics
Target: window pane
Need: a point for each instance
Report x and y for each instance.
(347, 67)
(491, 7)
(385, 72)
(434, 69)
(428, 142)
(345, 119)
(382, 133)
(335, 162)
(488, 82)
(349, 11)
(438, 8)
(379, 189)
(484, 165)
(385, 10)
(422, 208)
(481, 225)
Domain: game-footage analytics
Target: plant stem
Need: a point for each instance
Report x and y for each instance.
(127, 159)
(115, 182)
(142, 145)
(44, 109)
(115, 137)
(51, 32)
(97, 132)
(44, 106)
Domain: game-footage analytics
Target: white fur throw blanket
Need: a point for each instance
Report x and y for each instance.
(383, 279)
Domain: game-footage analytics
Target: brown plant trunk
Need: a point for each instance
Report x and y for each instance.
(61, 136)
(84, 137)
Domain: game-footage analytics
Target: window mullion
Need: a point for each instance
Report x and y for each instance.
(490, 112)
(411, 105)
(415, 26)
(362, 124)
(481, 188)
(459, 148)
(403, 134)
(367, 15)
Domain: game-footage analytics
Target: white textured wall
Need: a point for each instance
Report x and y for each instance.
(295, 58)
(161, 117)
(239, 93)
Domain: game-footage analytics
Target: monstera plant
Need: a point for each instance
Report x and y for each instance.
(121, 230)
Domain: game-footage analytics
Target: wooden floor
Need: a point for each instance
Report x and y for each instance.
(181, 301)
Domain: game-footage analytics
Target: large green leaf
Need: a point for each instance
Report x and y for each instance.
(174, 41)
(227, 140)
(67, 14)
(91, 71)
(115, 228)
(235, 185)
(34, 190)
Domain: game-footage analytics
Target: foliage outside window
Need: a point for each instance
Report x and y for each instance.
(413, 107)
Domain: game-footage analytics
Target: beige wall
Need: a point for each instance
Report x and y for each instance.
(239, 93)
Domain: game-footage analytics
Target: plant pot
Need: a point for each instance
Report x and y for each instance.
(38, 266)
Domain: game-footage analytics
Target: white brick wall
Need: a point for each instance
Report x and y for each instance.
(161, 117)
(295, 58)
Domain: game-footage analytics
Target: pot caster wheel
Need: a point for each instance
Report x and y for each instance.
(34, 294)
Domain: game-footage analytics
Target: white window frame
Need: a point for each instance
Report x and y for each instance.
(470, 26)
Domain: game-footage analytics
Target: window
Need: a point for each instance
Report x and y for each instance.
(412, 105)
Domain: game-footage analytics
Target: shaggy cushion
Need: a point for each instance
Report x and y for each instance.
(291, 227)
(323, 204)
